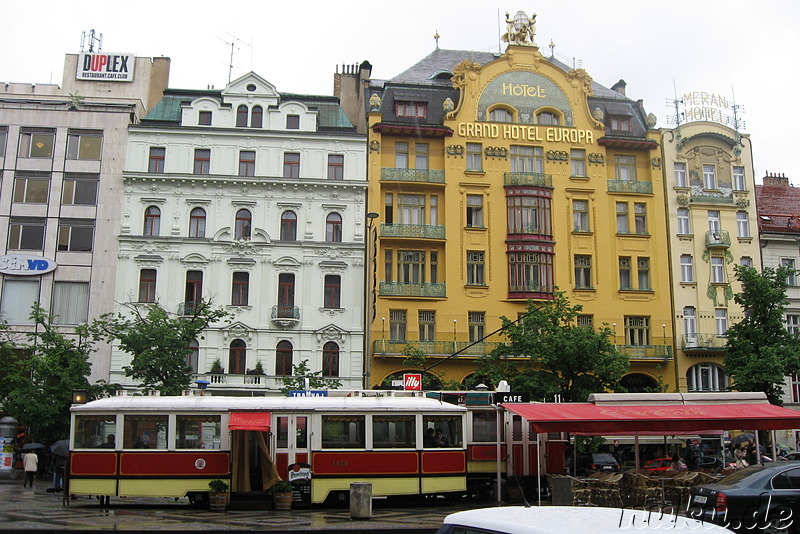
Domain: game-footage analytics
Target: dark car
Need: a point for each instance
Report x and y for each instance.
(758, 497)
(711, 462)
(599, 461)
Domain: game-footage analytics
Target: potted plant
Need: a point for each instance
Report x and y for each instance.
(282, 495)
(216, 367)
(218, 494)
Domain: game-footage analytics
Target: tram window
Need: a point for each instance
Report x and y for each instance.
(283, 432)
(95, 431)
(447, 430)
(395, 431)
(516, 428)
(145, 432)
(484, 426)
(302, 432)
(343, 432)
(197, 431)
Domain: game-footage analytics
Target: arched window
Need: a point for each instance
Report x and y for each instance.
(192, 355)
(333, 228)
(152, 221)
(706, 377)
(242, 228)
(283, 359)
(547, 118)
(501, 115)
(330, 359)
(197, 223)
(289, 226)
(237, 357)
(257, 117)
(241, 116)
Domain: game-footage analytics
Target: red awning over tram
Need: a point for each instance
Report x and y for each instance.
(249, 421)
(588, 418)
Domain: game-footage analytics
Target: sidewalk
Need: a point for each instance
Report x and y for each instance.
(35, 511)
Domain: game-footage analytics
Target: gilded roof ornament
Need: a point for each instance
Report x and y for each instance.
(448, 105)
(374, 102)
(521, 30)
(465, 75)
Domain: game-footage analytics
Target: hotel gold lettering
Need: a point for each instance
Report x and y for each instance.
(516, 132)
(523, 89)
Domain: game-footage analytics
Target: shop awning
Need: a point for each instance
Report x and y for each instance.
(587, 418)
(249, 421)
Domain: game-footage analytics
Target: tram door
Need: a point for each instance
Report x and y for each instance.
(291, 442)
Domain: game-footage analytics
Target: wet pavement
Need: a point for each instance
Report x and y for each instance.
(34, 511)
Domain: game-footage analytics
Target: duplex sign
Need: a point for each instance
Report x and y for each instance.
(22, 265)
(106, 67)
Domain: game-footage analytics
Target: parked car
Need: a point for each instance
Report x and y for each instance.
(658, 465)
(599, 461)
(757, 497)
(793, 456)
(711, 462)
(563, 519)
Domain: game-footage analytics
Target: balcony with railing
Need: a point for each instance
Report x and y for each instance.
(429, 176)
(645, 352)
(414, 231)
(285, 316)
(425, 289)
(433, 349)
(537, 179)
(703, 343)
(630, 186)
(718, 239)
(703, 196)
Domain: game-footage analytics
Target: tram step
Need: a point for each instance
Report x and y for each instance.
(252, 500)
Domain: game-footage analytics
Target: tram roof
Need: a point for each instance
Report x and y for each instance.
(229, 404)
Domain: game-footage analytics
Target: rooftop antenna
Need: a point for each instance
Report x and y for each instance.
(234, 46)
(675, 103)
(90, 39)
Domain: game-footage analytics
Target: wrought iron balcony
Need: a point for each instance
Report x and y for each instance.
(703, 343)
(718, 239)
(285, 315)
(433, 349)
(710, 197)
(630, 186)
(645, 352)
(427, 289)
(413, 175)
(538, 179)
(418, 231)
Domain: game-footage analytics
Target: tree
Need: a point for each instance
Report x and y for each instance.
(38, 384)
(301, 372)
(159, 342)
(563, 358)
(761, 352)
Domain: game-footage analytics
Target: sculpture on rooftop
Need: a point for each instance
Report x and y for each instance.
(521, 30)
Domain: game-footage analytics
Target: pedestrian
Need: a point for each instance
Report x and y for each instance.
(59, 462)
(676, 464)
(740, 453)
(30, 462)
(692, 455)
(752, 453)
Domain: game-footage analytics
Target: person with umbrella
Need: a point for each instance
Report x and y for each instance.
(30, 462)
(60, 450)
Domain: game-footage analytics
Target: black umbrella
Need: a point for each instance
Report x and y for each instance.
(741, 438)
(60, 447)
(32, 446)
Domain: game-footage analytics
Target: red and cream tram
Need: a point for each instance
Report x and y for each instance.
(173, 446)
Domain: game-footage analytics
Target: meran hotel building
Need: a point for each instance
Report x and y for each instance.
(415, 211)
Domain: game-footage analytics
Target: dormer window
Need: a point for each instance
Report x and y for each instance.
(204, 118)
(547, 118)
(501, 115)
(411, 109)
(620, 123)
(292, 122)
(241, 116)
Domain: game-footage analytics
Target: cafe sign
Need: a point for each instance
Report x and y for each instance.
(23, 265)
(106, 67)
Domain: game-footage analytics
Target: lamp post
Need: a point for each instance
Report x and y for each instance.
(370, 296)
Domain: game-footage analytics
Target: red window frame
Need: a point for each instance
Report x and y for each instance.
(194, 286)
(292, 122)
(411, 109)
(147, 285)
(289, 226)
(204, 118)
(291, 165)
(257, 117)
(283, 359)
(247, 163)
(621, 123)
(335, 167)
(152, 221)
(330, 359)
(241, 116)
(242, 224)
(202, 160)
(156, 160)
(332, 297)
(197, 223)
(333, 228)
(237, 357)
(241, 289)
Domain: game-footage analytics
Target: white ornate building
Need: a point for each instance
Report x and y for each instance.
(253, 199)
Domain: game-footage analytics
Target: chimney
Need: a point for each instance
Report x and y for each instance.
(776, 180)
(619, 87)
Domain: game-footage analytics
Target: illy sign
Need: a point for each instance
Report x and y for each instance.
(412, 382)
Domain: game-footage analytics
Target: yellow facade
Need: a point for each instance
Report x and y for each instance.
(534, 178)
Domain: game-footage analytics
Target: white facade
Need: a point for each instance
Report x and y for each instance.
(269, 219)
(61, 154)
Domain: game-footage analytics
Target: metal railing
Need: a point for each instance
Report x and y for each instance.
(720, 238)
(413, 175)
(538, 179)
(630, 186)
(285, 312)
(433, 349)
(646, 352)
(703, 342)
(428, 289)
(419, 231)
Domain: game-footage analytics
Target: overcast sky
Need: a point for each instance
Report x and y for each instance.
(725, 47)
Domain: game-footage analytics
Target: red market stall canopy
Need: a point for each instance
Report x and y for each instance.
(588, 418)
(249, 421)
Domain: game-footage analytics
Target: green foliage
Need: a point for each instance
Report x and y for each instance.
(282, 486)
(259, 369)
(589, 444)
(218, 486)
(216, 367)
(315, 380)
(158, 342)
(562, 358)
(414, 357)
(761, 352)
(39, 378)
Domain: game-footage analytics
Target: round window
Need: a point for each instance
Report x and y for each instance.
(251, 87)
